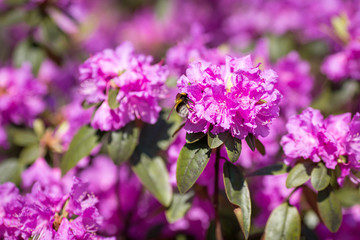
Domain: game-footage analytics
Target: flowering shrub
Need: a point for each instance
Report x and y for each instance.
(179, 119)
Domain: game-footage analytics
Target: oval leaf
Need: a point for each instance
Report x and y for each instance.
(214, 141)
(330, 209)
(112, 102)
(250, 140)
(237, 192)
(122, 143)
(29, 154)
(192, 160)
(260, 147)
(275, 169)
(298, 175)
(22, 137)
(154, 176)
(320, 178)
(81, 145)
(283, 223)
(233, 147)
(10, 171)
(180, 204)
(194, 137)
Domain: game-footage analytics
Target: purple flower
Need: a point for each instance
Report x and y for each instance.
(335, 141)
(237, 96)
(294, 83)
(21, 95)
(140, 86)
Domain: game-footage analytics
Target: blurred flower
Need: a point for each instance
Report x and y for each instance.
(236, 96)
(21, 95)
(140, 85)
(335, 141)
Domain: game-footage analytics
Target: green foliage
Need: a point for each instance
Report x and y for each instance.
(10, 171)
(180, 204)
(275, 169)
(250, 140)
(192, 161)
(81, 145)
(320, 177)
(154, 176)
(214, 141)
(283, 223)
(330, 209)
(299, 174)
(348, 196)
(237, 192)
(29, 154)
(194, 137)
(122, 143)
(113, 103)
(28, 51)
(22, 137)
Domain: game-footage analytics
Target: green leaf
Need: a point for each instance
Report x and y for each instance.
(299, 175)
(348, 196)
(260, 147)
(330, 209)
(29, 154)
(275, 169)
(81, 145)
(250, 140)
(122, 143)
(283, 223)
(194, 137)
(237, 192)
(87, 105)
(26, 51)
(10, 171)
(22, 137)
(320, 177)
(154, 176)
(214, 141)
(156, 137)
(180, 204)
(13, 16)
(233, 147)
(192, 160)
(112, 102)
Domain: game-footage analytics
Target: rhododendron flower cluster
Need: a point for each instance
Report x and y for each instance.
(140, 85)
(49, 211)
(236, 96)
(334, 141)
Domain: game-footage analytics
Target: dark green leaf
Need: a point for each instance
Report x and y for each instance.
(180, 204)
(233, 147)
(283, 223)
(81, 145)
(348, 196)
(122, 143)
(154, 176)
(158, 136)
(191, 163)
(320, 177)
(22, 137)
(112, 102)
(87, 105)
(194, 137)
(250, 140)
(29, 154)
(214, 141)
(237, 192)
(299, 175)
(10, 171)
(330, 209)
(260, 147)
(275, 169)
(26, 51)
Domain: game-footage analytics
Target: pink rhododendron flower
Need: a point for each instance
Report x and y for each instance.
(236, 96)
(140, 86)
(21, 95)
(334, 140)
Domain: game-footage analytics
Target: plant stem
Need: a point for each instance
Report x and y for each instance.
(216, 196)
